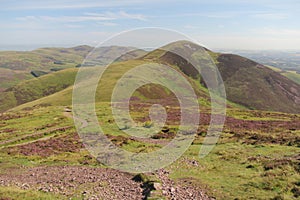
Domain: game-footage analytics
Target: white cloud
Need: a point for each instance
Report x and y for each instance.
(107, 16)
(107, 24)
(27, 18)
(74, 4)
(123, 14)
(74, 18)
(119, 15)
(270, 16)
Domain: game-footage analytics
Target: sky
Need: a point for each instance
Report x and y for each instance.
(217, 24)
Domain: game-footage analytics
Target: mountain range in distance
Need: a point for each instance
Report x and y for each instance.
(29, 76)
(256, 156)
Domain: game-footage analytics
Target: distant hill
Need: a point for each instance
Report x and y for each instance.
(36, 88)
(16, 66)
(247, 83)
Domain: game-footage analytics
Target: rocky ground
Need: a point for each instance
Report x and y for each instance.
(179, 191)
(85, 182)
(96, 183)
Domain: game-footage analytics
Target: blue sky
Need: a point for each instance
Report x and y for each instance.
(224, 24)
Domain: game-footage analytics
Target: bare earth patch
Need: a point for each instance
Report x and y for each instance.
(78, 181)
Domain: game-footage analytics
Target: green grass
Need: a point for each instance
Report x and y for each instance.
(274, 68)
(226, 174)
(15, 67)
(19, 194)
(9, 78)
(244, 114)
(34, 93)
(233, 170)
(27, 122)
(293, 76)
(37, 88)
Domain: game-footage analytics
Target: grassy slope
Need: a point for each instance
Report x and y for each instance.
(292, 75)
(235, 169)
(246, 82)
(36, 88)
(110, 77)
(43, 59)
(257, 87)
(16, 66)
(229, 172)
(19, 194)
(9, 78)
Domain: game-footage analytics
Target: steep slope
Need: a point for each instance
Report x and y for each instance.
(292, 75)
(256, 86)
(247, 83)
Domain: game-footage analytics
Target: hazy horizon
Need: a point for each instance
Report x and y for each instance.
(228, 24)
(28, 47)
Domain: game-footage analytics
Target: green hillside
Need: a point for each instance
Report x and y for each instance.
(63, 94)
(16, 66)
(256, 157)
(247, 83)
(37, 88)
(294, 76)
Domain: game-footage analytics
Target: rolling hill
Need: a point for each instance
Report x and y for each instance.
(16, 66)
(256, 157)
(247, 83)
(36, 88)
